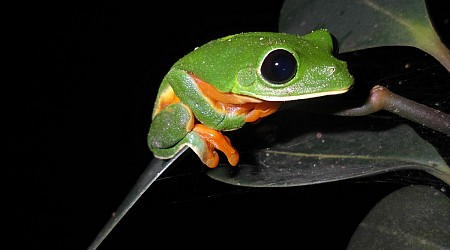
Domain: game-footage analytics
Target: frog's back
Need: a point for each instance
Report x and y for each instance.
(216, 61)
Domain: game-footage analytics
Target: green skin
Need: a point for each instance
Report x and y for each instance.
(233, 65)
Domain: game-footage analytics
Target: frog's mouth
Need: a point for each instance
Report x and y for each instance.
(230, 98)
(303, 96)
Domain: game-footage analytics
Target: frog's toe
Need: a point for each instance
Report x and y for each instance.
(204, 150)
(216, 140)
(211, 160)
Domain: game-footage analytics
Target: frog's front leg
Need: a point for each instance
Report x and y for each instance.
(174, 127)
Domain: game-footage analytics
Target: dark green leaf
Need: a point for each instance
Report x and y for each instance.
(414, 217)
(366, 23)
(320, 148)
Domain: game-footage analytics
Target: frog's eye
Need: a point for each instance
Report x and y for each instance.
(279, 66)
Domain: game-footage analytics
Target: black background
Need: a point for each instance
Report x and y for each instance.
(78, 84)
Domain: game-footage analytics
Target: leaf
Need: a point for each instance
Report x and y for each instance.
(153, 170)
(365, 24)
(337, 148)
(413, 217)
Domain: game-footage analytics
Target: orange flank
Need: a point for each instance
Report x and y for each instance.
(230, 98)
(252, 108)
(216, 140)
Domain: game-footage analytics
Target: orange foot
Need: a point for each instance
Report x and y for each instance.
(217, 141)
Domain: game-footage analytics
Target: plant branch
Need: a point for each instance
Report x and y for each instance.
(383, 99)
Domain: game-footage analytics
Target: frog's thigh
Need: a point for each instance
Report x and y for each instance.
(170, 126)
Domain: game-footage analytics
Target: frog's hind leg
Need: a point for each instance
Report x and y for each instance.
(173, 127)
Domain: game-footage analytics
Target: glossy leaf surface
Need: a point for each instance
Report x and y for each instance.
(308, 149)
(413, 217)
(365, 24)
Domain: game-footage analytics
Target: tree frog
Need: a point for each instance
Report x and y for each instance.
(236, 79)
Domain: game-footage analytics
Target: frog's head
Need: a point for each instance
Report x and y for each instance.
(276, 66)
(294, 67)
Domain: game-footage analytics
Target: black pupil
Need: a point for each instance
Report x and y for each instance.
(279, 66)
